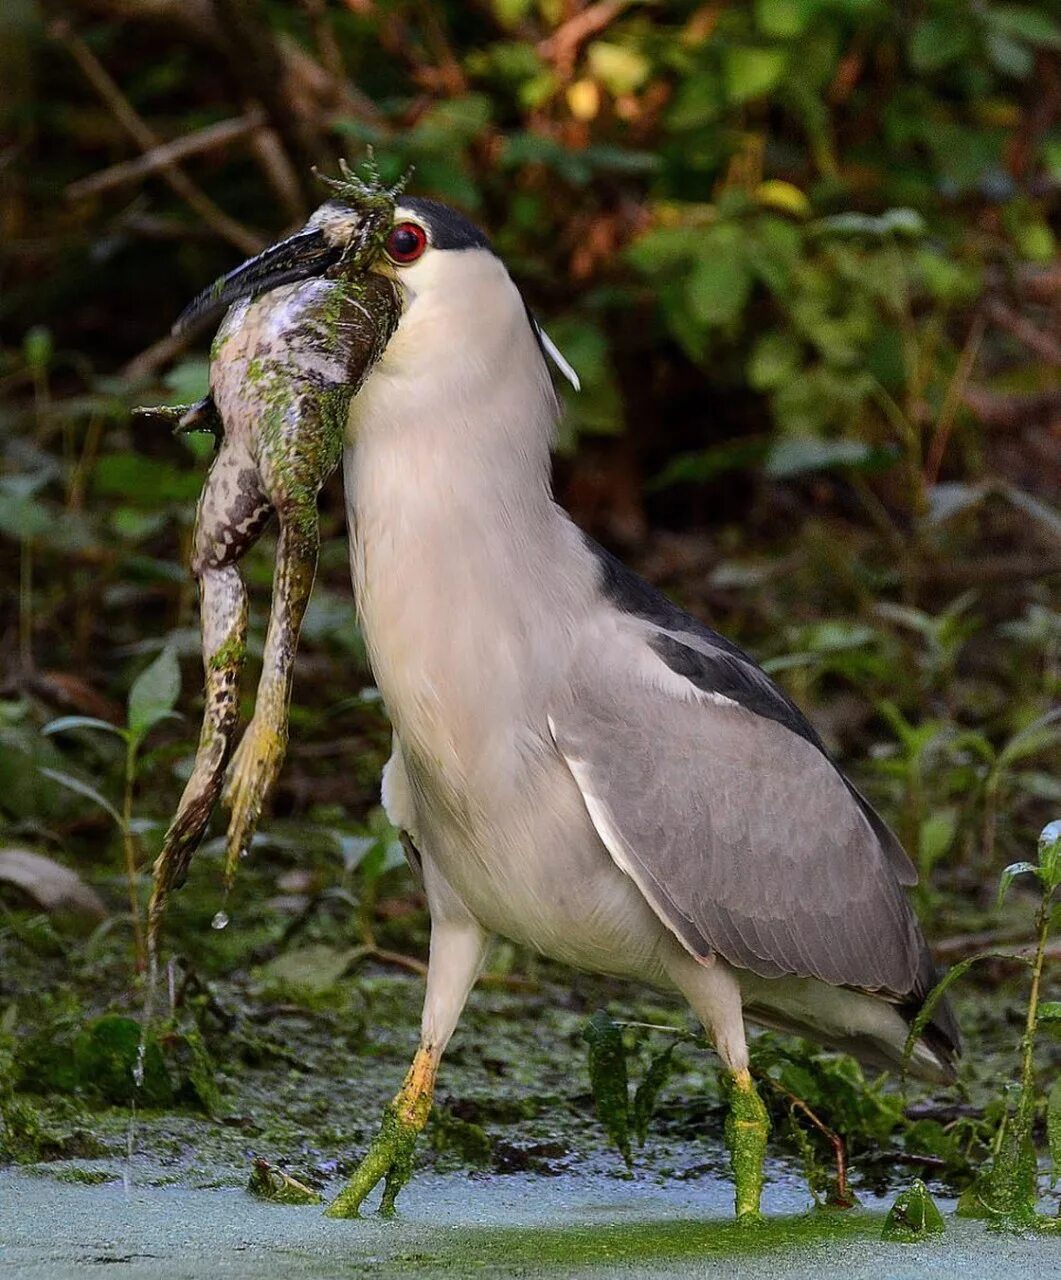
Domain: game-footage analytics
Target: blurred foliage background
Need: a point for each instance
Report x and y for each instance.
(803, 254)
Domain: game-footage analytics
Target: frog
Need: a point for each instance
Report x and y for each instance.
(304, 322)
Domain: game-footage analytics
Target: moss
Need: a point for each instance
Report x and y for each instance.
(219, 342)
(105, 1057)
(231, 655)
(86, 1177)
(469, 1141)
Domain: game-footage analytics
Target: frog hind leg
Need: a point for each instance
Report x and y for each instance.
(260, 753)
(232, 511)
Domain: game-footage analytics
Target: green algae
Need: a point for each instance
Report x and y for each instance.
(390, 1159)
(747, 1128)
(630, 1243)
(913, 1217)
(608, 1079)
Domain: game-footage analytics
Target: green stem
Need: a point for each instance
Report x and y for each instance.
(129, 849)
(25, 605)
(1027, 1070)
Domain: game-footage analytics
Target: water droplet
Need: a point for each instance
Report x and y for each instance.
(220, 921)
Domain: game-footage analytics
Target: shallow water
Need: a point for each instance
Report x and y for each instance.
(521, 1225)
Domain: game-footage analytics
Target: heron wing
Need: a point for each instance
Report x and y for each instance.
(741, 833)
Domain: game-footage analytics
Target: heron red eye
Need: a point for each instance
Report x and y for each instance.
(406, 243)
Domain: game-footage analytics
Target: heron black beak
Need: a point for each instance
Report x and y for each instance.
(297, 258)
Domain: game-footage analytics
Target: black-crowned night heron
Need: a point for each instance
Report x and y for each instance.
(578, 764)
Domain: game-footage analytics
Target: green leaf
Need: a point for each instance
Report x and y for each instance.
(718, 287)
(66, 723)
(24, 517)
(939, 42)
(784, 18)
(608, 1079)
(796, 455)
(188, 380)
(1010, 874)
(71, 783)
(154, 693)
(751, 73)
(38, 348)
(648, 1091)
(618, 67)
(924, 1014)
(144, 482)
(774, 359)
(1009, 56)
(1050, 854)
(1022, 22)
(1049, 1011)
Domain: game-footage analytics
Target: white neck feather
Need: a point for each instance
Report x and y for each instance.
(466, 574)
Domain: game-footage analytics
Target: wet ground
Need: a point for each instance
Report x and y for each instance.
(515, 1175)
(456, 1224)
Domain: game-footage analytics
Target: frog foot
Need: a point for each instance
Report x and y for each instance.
(185, 419)
(253, 771)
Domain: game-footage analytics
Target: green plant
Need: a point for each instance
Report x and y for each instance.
(1006, 1192)
(151, 699)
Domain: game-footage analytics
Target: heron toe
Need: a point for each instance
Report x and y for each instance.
(390, 1157)
(388, 1160)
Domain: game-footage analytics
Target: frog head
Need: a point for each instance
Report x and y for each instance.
(343, 237)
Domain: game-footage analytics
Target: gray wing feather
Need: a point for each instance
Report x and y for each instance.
(743, 836)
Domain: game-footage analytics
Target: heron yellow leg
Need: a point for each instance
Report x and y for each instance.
(390, 1157)
(747, 1127)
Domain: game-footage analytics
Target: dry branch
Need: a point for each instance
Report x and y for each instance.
(211, 138)
(247, 241)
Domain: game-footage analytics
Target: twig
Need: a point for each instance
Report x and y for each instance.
(967, 944)
(843, 1197)
(396, 958)
(450, 75)
(1042, 344)
(192, 144)
(1001, 568)
(248, 242)
(562, 46)
(279, 172)
(159, 353)
(953, 398)
(257, 66)
(331, 57)
(996, 409)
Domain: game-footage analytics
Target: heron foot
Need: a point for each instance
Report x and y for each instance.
(389, 1160)
(747, 1128)
(390, 1157)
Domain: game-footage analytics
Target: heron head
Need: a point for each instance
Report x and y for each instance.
(455, 290)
